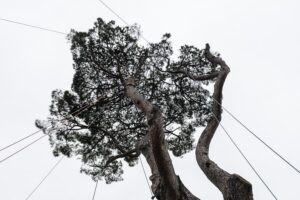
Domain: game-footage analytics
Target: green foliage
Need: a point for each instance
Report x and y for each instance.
(103, 58)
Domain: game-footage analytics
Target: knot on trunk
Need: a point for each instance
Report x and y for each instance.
(238, 188)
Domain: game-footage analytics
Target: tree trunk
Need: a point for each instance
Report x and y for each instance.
(146, 149)
(232, 186)
(166, 184)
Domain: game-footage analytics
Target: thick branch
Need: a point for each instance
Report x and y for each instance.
(160, 152)
(232, 186)
(145, 147)
(203, 77)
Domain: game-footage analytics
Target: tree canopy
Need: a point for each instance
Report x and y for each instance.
(105, 56)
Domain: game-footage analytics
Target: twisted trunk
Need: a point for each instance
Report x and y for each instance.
(166, 185)
(232, 186)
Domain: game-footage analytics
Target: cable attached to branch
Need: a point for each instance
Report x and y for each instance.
(258, 138)
(240, 151)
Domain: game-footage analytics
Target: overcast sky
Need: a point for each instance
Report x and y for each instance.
(259, 40)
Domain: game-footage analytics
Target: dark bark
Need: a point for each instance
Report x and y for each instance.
(166, 185)
(232, 186)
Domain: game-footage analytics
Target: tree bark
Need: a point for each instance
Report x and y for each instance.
(165, 183)
(232, 186)
(146, 149)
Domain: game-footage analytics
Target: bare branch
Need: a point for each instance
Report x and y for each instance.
(241, 189)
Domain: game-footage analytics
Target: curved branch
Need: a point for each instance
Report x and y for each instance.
(166, 184)
(123, 155)
(203, 77)
(232, 186)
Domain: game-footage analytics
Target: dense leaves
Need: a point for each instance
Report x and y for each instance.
(110, 126)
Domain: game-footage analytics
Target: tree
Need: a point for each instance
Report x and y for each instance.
(144, 102)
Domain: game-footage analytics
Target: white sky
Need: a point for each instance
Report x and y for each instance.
(258, 39)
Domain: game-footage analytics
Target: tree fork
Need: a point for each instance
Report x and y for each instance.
(232, 186)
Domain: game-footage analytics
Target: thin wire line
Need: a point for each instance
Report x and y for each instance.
(115, 13)
(32, 26)
(25, 147)
(51, 170)
(95, 190)
(257, 137)
(75, 113)
(252, 167)
(20, 140)
(146, 176)
(80, 111)
(121, 18)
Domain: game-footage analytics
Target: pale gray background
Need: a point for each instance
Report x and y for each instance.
(259, 39)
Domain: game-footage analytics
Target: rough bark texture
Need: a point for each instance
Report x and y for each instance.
(166, 185)
(232, 186)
